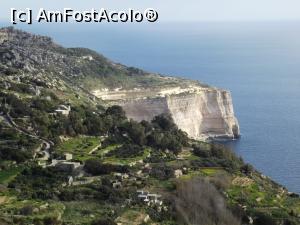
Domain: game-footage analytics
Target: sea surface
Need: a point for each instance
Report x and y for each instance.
(258, 62)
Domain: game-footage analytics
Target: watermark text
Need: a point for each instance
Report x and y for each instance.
(91, 16)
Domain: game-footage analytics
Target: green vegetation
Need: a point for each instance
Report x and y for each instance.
(15, 146)
(81, 212)
(7, 175)
(210, 171)
(123, 157)
(126, 159)
(80, 147)
(38, 183)
(146, 172)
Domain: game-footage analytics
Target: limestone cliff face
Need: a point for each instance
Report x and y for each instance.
(206, 113)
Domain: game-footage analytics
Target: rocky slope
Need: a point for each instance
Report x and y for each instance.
(198, 109)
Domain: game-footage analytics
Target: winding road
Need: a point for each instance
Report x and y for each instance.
(46, 144)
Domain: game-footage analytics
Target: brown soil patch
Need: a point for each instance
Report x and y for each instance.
(131, 218)
(3, 199)
(242, 181)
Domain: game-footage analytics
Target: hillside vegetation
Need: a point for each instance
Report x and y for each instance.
(67, 158)
(38, 60)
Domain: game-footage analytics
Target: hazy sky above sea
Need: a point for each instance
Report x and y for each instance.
(175, 10)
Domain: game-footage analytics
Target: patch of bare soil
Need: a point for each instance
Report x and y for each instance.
(242, 181)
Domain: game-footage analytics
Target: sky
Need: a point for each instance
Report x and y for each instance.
(175, 10)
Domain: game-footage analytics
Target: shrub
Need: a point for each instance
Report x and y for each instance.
(162, 172)
(96, 167)
(127, 151)
(51, 221)
(203, 153)
(116, 112)
(36, 182)
(135, 131)
(247, 169)
(103, 221)
(164, 122)
(26, 210)
(263, 219)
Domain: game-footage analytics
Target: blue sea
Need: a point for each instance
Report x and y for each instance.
(258, 62)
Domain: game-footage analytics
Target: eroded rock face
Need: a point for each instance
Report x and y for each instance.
(3, 37)
(207, 113)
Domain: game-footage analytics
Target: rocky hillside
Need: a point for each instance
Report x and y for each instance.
(199, 110)
(22, 53)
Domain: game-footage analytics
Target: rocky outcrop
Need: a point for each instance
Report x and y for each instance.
(205, 113)
(28, 54)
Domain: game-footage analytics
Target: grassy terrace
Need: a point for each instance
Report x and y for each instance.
(85, 147)
(260, 195)
(132, 217)
(83, 211)
(81, 147)
(8, 175)
(101, 152)
(126, 161)
(45, 209)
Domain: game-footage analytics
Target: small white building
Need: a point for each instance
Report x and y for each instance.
(70, 180)
(149, 198)
(68, 156)
(63, 109)
(178, 173)
(117, 184)
(121, 176)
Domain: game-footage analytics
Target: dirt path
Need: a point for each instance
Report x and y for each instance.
(94, 149)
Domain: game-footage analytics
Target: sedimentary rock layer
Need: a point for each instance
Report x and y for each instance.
(207, 113)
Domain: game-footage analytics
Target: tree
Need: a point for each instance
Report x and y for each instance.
(96, 167)
(162, 172)
(247, 169)
(127, 151)
(94, 125)
(164, 121)
(147, 126)
(26, 210)
(135, 131)
(116, 112)
(76, 119)
(164, 140)
(200, 151)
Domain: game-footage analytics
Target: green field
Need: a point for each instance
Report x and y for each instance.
(101, 152)
(8, 175)
(80, 147)
(211, 171)
(126, 161)
(83, 212)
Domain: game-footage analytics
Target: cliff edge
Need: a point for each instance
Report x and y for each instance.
(200, 110)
